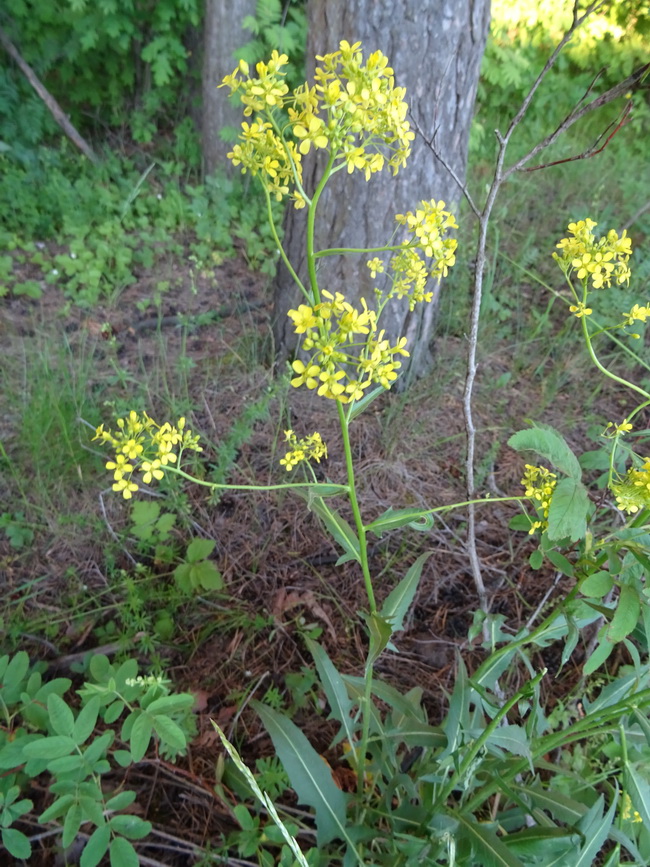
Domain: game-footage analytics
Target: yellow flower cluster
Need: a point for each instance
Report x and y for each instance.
(632, 492)
(600, 260)
(308, 448)
(627, 813)
(410, 273)
(353, 108)
(142, 445)
(539, 484)
(341, 366)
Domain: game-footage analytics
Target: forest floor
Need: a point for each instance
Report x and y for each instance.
(205, 349)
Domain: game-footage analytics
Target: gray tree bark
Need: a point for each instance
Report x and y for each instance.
(435, 48)
(223, 35)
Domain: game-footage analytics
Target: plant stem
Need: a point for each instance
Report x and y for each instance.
(602, 368)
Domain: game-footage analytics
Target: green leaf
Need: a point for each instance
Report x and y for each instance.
(171, 703)
(358, 406)
(169, 732)
(309, 775)
(567, 514)
(207, 576)
(511, 738)
(56, 809)
(597, 585)
(595, 828)
(598, 657)
(399, 600)
(639, 792)
(536, 558)
(492, 852)
(626, 615)
(199, 549)
(16, 843)
(561, 563)
(49, 748)
(121, 800)
(130, 826)
(123, 854)
(339, 528)
(379, 631)
(334, 688)
(96, 847)
(86, 721)
(394, 518)
(71, 825)
(550, 444)
(60, 715)
(140, 737)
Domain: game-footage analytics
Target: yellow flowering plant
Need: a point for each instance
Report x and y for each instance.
(354, 112)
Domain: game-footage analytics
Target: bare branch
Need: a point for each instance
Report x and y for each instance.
(55, 109)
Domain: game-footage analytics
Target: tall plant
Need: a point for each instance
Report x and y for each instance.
(480, 788)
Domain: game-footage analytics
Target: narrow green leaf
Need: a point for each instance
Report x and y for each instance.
(65, 764)
(60, 716)
(123, 854)
(379, 631)
(394, 518)
(16, 669)
(86, 721)
(598, 657)
(140, 737)
(339, 528)
(550, 444)
(335, 690)
(96, 847)
(71, 825)
(595, 830)
(400, 598)
(310, 776)
(567, 514)
(561, 563)
(358, 406)
(626, 615)
(492, 851)
(639, 792)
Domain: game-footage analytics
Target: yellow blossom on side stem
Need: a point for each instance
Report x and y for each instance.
(142, 445)
(539, 484)
(306, 449)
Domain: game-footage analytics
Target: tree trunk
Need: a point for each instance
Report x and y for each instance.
(223, 35)
(435, 48)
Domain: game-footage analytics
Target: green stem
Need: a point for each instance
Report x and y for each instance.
(343, 251)
(311, 221)
(602, 368)
(356, 511)
(480, 742)
(277, 240)
(216, 486)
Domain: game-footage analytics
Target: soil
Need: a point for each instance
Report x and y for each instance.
(211, 336)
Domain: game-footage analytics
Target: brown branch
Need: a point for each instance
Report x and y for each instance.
(590, 152)
(55, 109)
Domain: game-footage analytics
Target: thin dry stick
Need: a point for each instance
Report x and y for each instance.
(501, 174)
(55, 109)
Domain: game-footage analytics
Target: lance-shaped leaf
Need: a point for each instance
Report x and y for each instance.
(392, 519)
(399, 600)
(309, 775)
(335, 689)
(339, 528)
(359, 406)
(547, 442)
(491, 850)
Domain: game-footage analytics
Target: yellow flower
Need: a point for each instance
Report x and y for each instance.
(636, 314)
(376, 266)
(151, 470)
(539, 484)
(308, 448)
(127, 487)
(303, 318)
(307, 374)
(579, 310)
